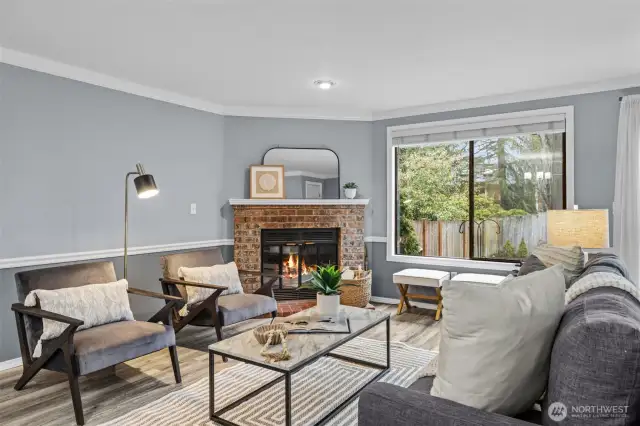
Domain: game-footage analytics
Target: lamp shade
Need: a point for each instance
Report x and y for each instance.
(145, 186)
(585, 228)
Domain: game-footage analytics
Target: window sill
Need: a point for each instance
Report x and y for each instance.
(453, 263)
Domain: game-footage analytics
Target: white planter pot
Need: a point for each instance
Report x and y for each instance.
(328, 305)
(350, 193)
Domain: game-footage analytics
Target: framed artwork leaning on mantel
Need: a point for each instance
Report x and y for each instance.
(266, 182)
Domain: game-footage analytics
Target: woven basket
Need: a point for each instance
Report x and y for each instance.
(262, 333)
(359, 293)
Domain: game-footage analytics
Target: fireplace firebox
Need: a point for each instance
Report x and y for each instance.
(293, 252)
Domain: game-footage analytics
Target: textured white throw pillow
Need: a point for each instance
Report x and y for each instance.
(95, 304)
(225, 275)
(496, 340)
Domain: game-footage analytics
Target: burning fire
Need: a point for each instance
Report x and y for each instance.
(290, 267)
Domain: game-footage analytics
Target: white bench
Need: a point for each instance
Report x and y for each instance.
(479, 278)
(433, 279)
(420, 278)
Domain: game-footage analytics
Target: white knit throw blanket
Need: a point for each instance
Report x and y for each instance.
(600, 279)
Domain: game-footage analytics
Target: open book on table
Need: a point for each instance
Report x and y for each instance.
(315, 323)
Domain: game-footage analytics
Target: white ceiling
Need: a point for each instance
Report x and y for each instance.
(384, 55)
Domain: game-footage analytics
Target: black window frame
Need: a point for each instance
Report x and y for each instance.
(471, 183)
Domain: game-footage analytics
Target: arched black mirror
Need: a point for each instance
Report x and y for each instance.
(309, 173)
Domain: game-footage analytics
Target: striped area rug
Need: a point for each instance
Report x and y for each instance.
(316, 390)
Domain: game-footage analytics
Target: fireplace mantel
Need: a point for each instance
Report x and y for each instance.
(296, 202)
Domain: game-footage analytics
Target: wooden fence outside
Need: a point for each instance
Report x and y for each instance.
(449, 238)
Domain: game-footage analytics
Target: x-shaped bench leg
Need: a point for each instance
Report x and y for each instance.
(403, 298)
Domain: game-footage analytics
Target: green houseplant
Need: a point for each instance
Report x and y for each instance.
(326, 281)
(350, 190)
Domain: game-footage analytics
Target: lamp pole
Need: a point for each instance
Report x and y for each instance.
(146, 188)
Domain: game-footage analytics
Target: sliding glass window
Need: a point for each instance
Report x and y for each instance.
(484, 198)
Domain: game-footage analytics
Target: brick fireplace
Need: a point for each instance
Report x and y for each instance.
(253, 216)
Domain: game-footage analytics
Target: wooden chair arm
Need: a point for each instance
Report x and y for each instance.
(41, 313)
(140, 292)
(267, 288)
(189, 283)
(165, 314)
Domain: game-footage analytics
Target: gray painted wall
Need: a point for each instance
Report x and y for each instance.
(331, 188)
(65, 148)
(246, 140)
(293, 187)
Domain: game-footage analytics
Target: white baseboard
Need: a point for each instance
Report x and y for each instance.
(391, 301)
(47, 259)
(10, 363)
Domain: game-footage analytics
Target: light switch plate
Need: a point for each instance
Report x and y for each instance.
(193, 208)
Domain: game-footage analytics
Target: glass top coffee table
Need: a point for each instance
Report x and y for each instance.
(304, 349)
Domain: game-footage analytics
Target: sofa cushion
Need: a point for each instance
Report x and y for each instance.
(496, 340)
(531, 264)
(110, 344)
(224, 275)
(595, 359)
(95, 304)
(239, 307)
(571, 258)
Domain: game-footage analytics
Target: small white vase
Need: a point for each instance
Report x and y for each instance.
(328, 305)
(350, 193)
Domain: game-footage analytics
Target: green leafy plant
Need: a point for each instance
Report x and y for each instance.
(350, 185)
(509, 251)
(325, 280)
(522, 251)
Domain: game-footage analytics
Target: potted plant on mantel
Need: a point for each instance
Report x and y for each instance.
(327, 281)
(350, 190)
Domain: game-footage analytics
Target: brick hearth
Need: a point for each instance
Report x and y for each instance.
(251, 219)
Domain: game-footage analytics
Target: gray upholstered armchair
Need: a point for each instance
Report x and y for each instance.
(79, 353)
(216, 311)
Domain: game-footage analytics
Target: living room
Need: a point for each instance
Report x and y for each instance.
(256, 144)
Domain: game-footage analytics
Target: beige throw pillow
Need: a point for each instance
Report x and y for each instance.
(225, 275)
(95, 304)
(571, 258)
(496, 340)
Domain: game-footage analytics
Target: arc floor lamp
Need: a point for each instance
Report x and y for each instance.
(146, 188)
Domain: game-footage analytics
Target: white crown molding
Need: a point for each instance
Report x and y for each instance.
(48, 66)
(47, 259)
(296, 202)
(509, 98)
(373, 239)
(326, 113)
(308, 174)
(10, 363)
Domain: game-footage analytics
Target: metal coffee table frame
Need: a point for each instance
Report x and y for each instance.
(216, 415)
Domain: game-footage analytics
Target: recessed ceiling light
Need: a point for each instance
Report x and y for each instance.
(324, 84)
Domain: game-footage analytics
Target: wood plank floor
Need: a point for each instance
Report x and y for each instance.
(46, 399)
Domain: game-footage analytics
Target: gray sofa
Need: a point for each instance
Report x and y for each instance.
(595, 362)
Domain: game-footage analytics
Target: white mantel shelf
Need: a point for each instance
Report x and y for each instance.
(295, 202)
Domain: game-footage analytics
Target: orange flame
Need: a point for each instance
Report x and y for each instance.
(290, 266)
